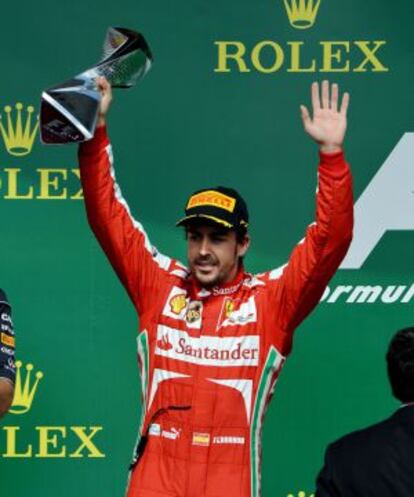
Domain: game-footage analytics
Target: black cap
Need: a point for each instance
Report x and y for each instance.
(219, 205)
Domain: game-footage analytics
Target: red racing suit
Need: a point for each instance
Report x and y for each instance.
(209, 359)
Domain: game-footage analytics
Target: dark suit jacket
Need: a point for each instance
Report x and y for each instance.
(375, 462)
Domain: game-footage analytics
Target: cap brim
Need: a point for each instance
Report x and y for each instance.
(212, 219)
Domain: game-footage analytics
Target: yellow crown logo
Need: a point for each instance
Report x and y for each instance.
(302, 13)
(24, 391)
(301, 494)
(19, 137)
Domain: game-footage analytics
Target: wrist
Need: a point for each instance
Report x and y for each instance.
(328, 148)
(101, 122)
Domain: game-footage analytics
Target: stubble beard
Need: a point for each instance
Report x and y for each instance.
(205, 280)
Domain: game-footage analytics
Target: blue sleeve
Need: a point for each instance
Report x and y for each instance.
(7, 340)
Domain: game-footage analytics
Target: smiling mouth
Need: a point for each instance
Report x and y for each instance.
(205, 267)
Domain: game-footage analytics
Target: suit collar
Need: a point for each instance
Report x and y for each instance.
(224, 289)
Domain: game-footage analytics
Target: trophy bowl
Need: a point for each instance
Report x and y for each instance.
(69, 111)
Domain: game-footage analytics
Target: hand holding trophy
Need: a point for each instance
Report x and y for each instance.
(70, 111)
(105, 90)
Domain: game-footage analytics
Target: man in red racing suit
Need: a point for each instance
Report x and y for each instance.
(210, 355)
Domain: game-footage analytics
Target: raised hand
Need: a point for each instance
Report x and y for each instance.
(106, 93)
(328, 124)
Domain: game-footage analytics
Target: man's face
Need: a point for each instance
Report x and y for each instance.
(213, 254)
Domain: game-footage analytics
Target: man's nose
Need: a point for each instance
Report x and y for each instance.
(204, 246)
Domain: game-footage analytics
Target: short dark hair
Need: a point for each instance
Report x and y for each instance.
(400, 362)
(241, 234)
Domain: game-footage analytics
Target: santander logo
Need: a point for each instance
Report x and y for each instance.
(208, 350)
(164, 344)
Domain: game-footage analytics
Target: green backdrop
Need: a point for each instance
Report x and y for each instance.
(200, 118)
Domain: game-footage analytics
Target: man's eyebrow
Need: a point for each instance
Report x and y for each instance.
(219, 233)
(214, 232)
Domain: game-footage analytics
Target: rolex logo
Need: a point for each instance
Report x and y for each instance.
(25, 389)
(18, 136)
(302, 13)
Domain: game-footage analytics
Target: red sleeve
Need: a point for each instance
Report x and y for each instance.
(137, 263)
(299, 285)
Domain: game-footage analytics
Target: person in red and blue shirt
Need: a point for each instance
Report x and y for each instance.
(213, 337)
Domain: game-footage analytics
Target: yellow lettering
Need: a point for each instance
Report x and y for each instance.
(11, 451)
(370, 56)
(279, 56)
(46, 441)
(47, 183)
(224, 56)
(332, 51)
(12, 175)
(79, 195)
(296, 58)
(86, 441)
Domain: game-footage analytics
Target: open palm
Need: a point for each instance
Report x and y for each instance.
(328, 123)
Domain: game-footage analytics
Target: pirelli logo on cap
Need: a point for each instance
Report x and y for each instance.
(202, 439)
(213, 198)
(7, 340)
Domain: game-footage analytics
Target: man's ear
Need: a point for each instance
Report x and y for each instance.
(243, 246)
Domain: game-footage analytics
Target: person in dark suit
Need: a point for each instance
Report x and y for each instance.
(7, 350)
(378, 461)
